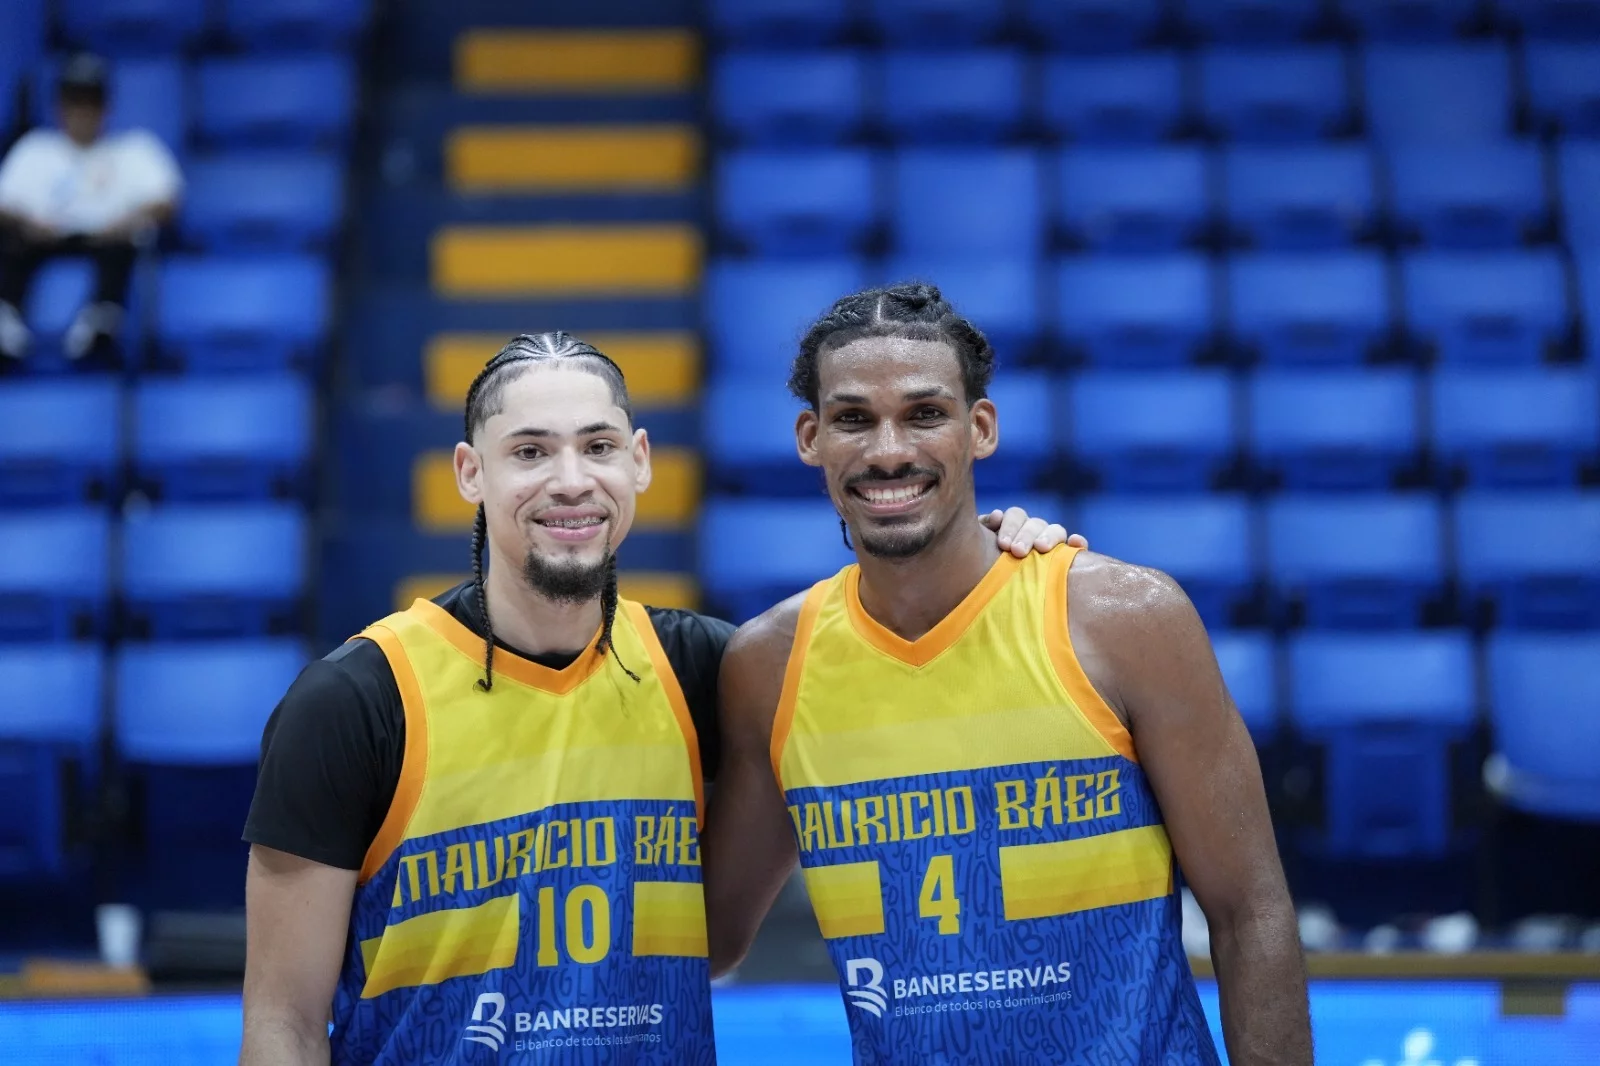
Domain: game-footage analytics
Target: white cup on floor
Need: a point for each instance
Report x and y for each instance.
(119, 927)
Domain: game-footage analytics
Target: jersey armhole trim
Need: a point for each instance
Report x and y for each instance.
(783, 717)
(680, 706)
(1058, 640)
(414, 760)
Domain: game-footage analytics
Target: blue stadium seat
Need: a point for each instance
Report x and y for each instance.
(289, 102)
(121, 27)
(1486, 307)
(200, 438)
(1356, 562)
(968, 201)
(1252, 20)
(1438, 93)
(1552, 18)
(1134, 199)
(290, 24)
(790, 98)
(798, 202)
(803, 546)
(1093, 25)
(1310, 308)
(247, 202)
(200, 704)
(1385, 708)
(757, 311)
(1277, 94)
(218, 570)
(975, 95)
(60, 441)
(1334, 429)
(999, 293)
(1159, 431)
(49, 720)
(256, 313)
(22, 25)
(1413, 20)
(749, 435)
(1579, 165)
(1516, 428)
(956, 22)
(1205, 542)
(1468, 195)
(1027, 434)
(1300, 199)
(779, 22)
(146, 94)
(1534, 555)
(1109, 99)
(1564, 84)
(54, 573)
(1545, 705)
(1126, 311)
(1249, 666)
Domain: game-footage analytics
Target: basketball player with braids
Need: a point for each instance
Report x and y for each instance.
(990, 768)
(476, 826)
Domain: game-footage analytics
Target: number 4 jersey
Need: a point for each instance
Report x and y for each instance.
(981, 848)
(534, 895)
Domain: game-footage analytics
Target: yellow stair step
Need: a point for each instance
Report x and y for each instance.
(489, 159)
(670, 504)
(655, 588)
(490, 262)
(662, 369)
(576, 61)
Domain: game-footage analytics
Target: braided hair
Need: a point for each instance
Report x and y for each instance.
(485, 399)
(914, 312)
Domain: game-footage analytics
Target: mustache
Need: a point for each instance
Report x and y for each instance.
(873, 473)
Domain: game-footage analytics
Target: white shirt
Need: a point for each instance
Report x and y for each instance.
(49, 178)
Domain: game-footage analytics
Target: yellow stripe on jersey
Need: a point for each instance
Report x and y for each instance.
(669, 918)
(1067, 876)
(847, 898)
(435, 947)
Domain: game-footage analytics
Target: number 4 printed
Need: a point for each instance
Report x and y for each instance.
(938, 896)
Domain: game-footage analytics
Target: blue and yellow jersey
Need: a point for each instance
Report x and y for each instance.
(534, 894)
(983, 853)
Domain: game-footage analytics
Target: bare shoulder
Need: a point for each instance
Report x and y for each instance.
(753, 667)
(1117, 598)
(770, 633)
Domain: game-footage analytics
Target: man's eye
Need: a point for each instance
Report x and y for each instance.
(925, 414)
(527, 453)
(602, 447)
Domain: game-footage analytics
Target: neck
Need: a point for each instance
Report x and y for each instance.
(532, 623)
(911, 596)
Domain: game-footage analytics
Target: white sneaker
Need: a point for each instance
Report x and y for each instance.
(15, 339)
(93, 322)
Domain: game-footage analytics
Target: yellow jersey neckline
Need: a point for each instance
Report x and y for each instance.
(946, 631)
(507, 663)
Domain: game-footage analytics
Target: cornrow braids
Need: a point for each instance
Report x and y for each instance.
(484, 401)
(914, 312)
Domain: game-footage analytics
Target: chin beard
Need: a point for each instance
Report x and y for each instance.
(567, 580)
(894, 543)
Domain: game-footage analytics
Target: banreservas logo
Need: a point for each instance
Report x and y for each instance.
(486, 1028)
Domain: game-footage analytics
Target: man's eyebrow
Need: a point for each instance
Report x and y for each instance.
(583, 431)
(846, 397)
(935, 392)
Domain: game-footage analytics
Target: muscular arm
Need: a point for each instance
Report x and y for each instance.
(1144, 647)
(297, 916)
(748, 848)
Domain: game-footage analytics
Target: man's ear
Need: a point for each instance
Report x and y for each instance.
(806, 426)
(469, 473)
(985, 429)
(641, 461)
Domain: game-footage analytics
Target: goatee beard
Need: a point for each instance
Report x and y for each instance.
(567, 581)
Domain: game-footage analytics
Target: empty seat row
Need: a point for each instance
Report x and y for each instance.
(827, 201)
(1308, 308)
(1167, 431)
(182, 570)
(247, 201)
(1099, 24)
(191, 438)
(1427, 94)
(124, 26)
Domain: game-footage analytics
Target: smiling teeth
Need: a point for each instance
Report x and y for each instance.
(892, 495)
(571, 523)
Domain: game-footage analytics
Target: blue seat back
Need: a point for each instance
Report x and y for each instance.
(1207, 543)
(1468, 196)
(1310, 308)
(1275, 94)
(1134, 199)
(288, 102)
(1553, 18)
(804, 547)
(1548, 574)
(807, 202)
(967, 201)
(1334, 429)
(1579, 164)
(247, 202)
(790, 98)
(60, 440)
(1410, 19)
(120, 27)
(243, 313)
(938, 21)
(1564, 84)
(1252, 20)
(201, 438)
(1165, 431)
(54, 573)
(1249, 665)
(1517, 428)
(1027, 433)
(291, 24)
(1144, 311)
(1433, 93)
(200, 704)
(1588, 268)
(749, 433)
(757, 311)
(1109, 99)
(954, 96)
(780, 22)
(1001, 292)
(1093, 25)
(1545, 702)
(1309, 197)
(1486, 307)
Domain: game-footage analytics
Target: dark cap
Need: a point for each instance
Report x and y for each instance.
(84, 77)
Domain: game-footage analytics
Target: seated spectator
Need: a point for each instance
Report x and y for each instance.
(80, 191)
